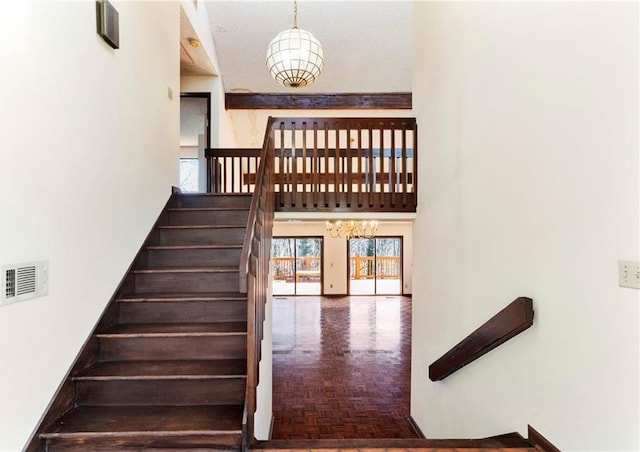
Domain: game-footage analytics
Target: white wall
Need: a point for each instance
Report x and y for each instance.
(529, 186)
(88, 138)
(250, 125)
(264, 391)
(335, 272)
(222, 132)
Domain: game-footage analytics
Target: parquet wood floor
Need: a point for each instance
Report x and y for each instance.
(341, 367)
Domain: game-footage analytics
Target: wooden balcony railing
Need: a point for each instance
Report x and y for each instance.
(344, 164)
(329, 164)
(232, 170)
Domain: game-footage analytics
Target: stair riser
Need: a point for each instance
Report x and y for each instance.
(184, 312)
(206, 236)
(219, 391)
(203, 217)
(187, 282)
(199, 201)
(220, 442)
(223, 257)
(168, 348)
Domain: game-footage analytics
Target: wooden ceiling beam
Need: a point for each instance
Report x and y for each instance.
(345, 101)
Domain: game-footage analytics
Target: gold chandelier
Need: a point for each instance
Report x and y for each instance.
(352, 229)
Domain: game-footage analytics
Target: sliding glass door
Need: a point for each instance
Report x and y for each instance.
(297, 265)
(375, 266)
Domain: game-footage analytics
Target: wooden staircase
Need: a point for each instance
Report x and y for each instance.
(166, 366)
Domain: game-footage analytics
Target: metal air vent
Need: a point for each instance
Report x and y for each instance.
(24, 281)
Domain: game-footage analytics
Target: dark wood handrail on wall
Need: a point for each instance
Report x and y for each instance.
(512, 320)
(254, 276)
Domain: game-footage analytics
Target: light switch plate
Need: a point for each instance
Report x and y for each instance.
(629, 274)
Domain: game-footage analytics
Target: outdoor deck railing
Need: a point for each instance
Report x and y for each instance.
(288, 268)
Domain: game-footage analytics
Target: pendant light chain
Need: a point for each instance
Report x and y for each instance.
(295, 13)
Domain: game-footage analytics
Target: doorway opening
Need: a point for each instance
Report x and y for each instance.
(375, 266)
(195, 138)
(297, 265)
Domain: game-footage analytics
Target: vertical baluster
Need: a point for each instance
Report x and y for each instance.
(207, 183)
(349, 166)
(294, 166)
(212, 162)
(414, 155)
(256, 162)
(405, 176)
(233, 174)
(315, 166)
(245, 174)
(381, 162)
(392, 169)
(218, 169)
(327, 170)
(359, 180)
(244, 183)
(282, 172)
(338, 177)
(371, 174)
(304, 163)
(215, 174)
(250, 170)
(238, 184)
(223, 170)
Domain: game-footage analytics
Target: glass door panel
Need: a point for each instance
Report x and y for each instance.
(308, 266)
(375, 266)
(283, 253)
(388, 266)
(362, 268)
(297, 265)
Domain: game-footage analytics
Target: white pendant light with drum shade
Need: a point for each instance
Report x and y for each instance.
(295, 57)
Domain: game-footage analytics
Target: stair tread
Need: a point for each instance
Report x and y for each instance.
(194, 247)
(158, 385)
(207, 209)
(203, 226)
(186, 297)
(502, 442)
(178, 368)
(187, 270)
(116, 420)
(211, 195)
(135, 329)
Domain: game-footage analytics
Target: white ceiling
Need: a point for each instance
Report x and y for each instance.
(367, 44)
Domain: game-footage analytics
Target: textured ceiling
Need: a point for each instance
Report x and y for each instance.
(367, 44)
(193, 60)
